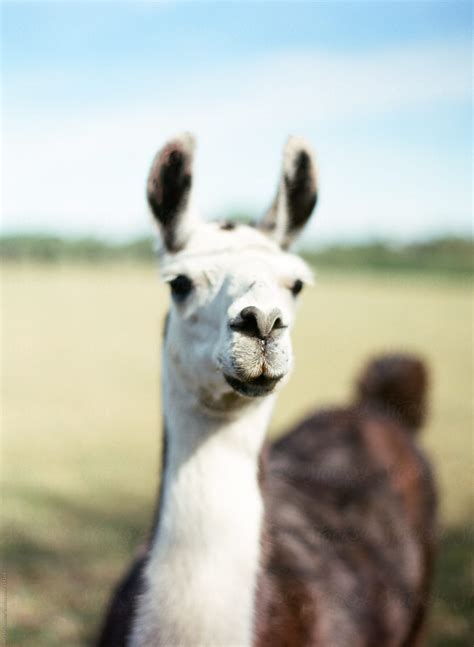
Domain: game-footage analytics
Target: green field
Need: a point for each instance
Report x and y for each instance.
(81, 419)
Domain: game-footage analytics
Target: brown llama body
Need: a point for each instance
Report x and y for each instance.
(349, 525)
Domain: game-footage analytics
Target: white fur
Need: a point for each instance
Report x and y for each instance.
(230, 270)
(203, 568)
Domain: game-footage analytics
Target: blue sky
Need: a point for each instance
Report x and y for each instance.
(382, 90)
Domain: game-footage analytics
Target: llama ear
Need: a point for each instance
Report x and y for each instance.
(296, 195)
(168, 190)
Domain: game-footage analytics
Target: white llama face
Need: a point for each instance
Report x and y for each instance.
(234, 288)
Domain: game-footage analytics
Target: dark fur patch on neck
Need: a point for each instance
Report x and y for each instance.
(166, 325)
(161, 488)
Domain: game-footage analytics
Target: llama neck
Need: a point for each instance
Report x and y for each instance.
(204, 560)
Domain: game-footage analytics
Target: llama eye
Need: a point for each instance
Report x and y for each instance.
(297, 287)
(181, 286)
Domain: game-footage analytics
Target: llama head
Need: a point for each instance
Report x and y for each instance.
(234, 287)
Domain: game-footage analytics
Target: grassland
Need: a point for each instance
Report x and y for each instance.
(81, 419)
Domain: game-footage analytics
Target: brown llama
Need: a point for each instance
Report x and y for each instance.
(324, 538)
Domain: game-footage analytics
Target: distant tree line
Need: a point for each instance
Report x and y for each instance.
(443, 255)
(54, 249)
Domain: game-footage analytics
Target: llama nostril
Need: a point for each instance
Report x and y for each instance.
(255, 323)
(277, 324)
(248, 322)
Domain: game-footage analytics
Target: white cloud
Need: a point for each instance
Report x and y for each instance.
(85, 172)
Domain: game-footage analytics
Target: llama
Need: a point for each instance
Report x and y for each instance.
(324, 538)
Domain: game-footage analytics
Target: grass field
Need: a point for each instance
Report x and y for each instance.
(81, 419)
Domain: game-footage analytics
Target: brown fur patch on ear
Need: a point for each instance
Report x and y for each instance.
(296, 196)
(169, 186)
(301, 195)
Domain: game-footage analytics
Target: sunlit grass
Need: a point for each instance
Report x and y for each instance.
(80, 368)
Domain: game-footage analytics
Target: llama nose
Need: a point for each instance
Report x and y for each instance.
(254, 322)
